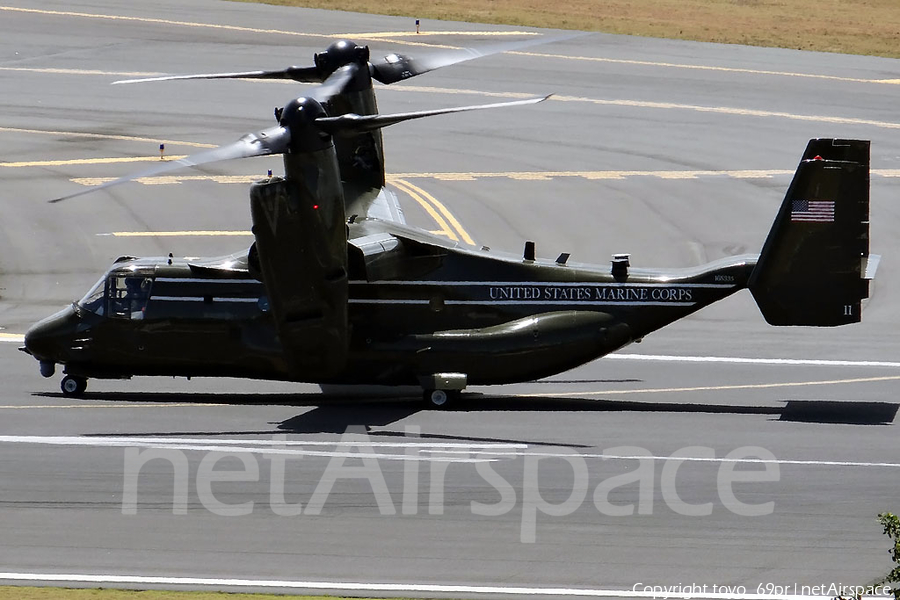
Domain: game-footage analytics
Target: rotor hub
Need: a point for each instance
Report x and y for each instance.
(338, 54)
(299, 117)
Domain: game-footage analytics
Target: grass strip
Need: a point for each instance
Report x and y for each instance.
(54, 593)
(869, 27)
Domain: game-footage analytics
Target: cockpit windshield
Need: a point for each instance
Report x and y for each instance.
(95, 300)
(119, 296)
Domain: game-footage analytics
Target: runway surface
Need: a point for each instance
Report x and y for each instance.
(597, 482)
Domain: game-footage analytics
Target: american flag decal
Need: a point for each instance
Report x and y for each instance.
(812, 211)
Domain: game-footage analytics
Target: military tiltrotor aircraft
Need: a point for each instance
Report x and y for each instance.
(338, 289)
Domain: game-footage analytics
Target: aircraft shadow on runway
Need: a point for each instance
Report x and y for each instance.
(830, 411)
(336, 413)
(805, 411)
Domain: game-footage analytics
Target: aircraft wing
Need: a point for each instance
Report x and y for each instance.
(374, 203)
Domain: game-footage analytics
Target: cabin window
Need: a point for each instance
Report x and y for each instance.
(128, 296)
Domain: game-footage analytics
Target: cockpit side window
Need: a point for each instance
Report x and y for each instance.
(128, 296)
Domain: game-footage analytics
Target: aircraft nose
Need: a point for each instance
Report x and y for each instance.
(46, 339)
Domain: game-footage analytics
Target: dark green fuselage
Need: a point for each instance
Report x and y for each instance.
(417, 306)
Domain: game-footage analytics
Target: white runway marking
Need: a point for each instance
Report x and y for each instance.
(668, 65)
(432, 445)
(414, 588)
(15, 338)
(758, 461)
(804, 362)
(715, 388)
(725, 110)
(444, 452)
(435, 452)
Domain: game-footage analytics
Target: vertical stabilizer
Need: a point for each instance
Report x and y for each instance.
(812, 269)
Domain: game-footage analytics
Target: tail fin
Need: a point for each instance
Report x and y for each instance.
(812, 269)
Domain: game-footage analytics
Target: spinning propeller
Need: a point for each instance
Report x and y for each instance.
(389, 69)
(303, 126)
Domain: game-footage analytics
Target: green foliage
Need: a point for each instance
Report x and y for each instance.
(891, 524)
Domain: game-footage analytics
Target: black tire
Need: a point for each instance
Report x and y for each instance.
(73, 386)
(441, 399)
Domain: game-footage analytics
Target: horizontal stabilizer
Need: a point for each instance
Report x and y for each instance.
(871, 265)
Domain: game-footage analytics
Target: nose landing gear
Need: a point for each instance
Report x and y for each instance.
(73, 386)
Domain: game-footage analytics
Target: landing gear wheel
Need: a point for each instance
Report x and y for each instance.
(441, 398)
(73, 386)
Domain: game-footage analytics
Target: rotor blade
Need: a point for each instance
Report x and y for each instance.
(269, 141)
(301, 74)
(334, 84)
(397, 67)
(330, 86)
(353, 123)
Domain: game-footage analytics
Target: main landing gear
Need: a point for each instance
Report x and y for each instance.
(442, 390)
(73, 386)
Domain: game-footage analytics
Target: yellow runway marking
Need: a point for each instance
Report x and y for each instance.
(404, 178)
(176, 233)
(725, 110)
(716, 388)
(440, 207)
(86, 161)
(449, 225)
(601, 175)
(106, 136)
(431, 210)
(647, 63)
(17, 338)
(444, 219)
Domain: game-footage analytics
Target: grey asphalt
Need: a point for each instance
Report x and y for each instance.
(622, 104)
